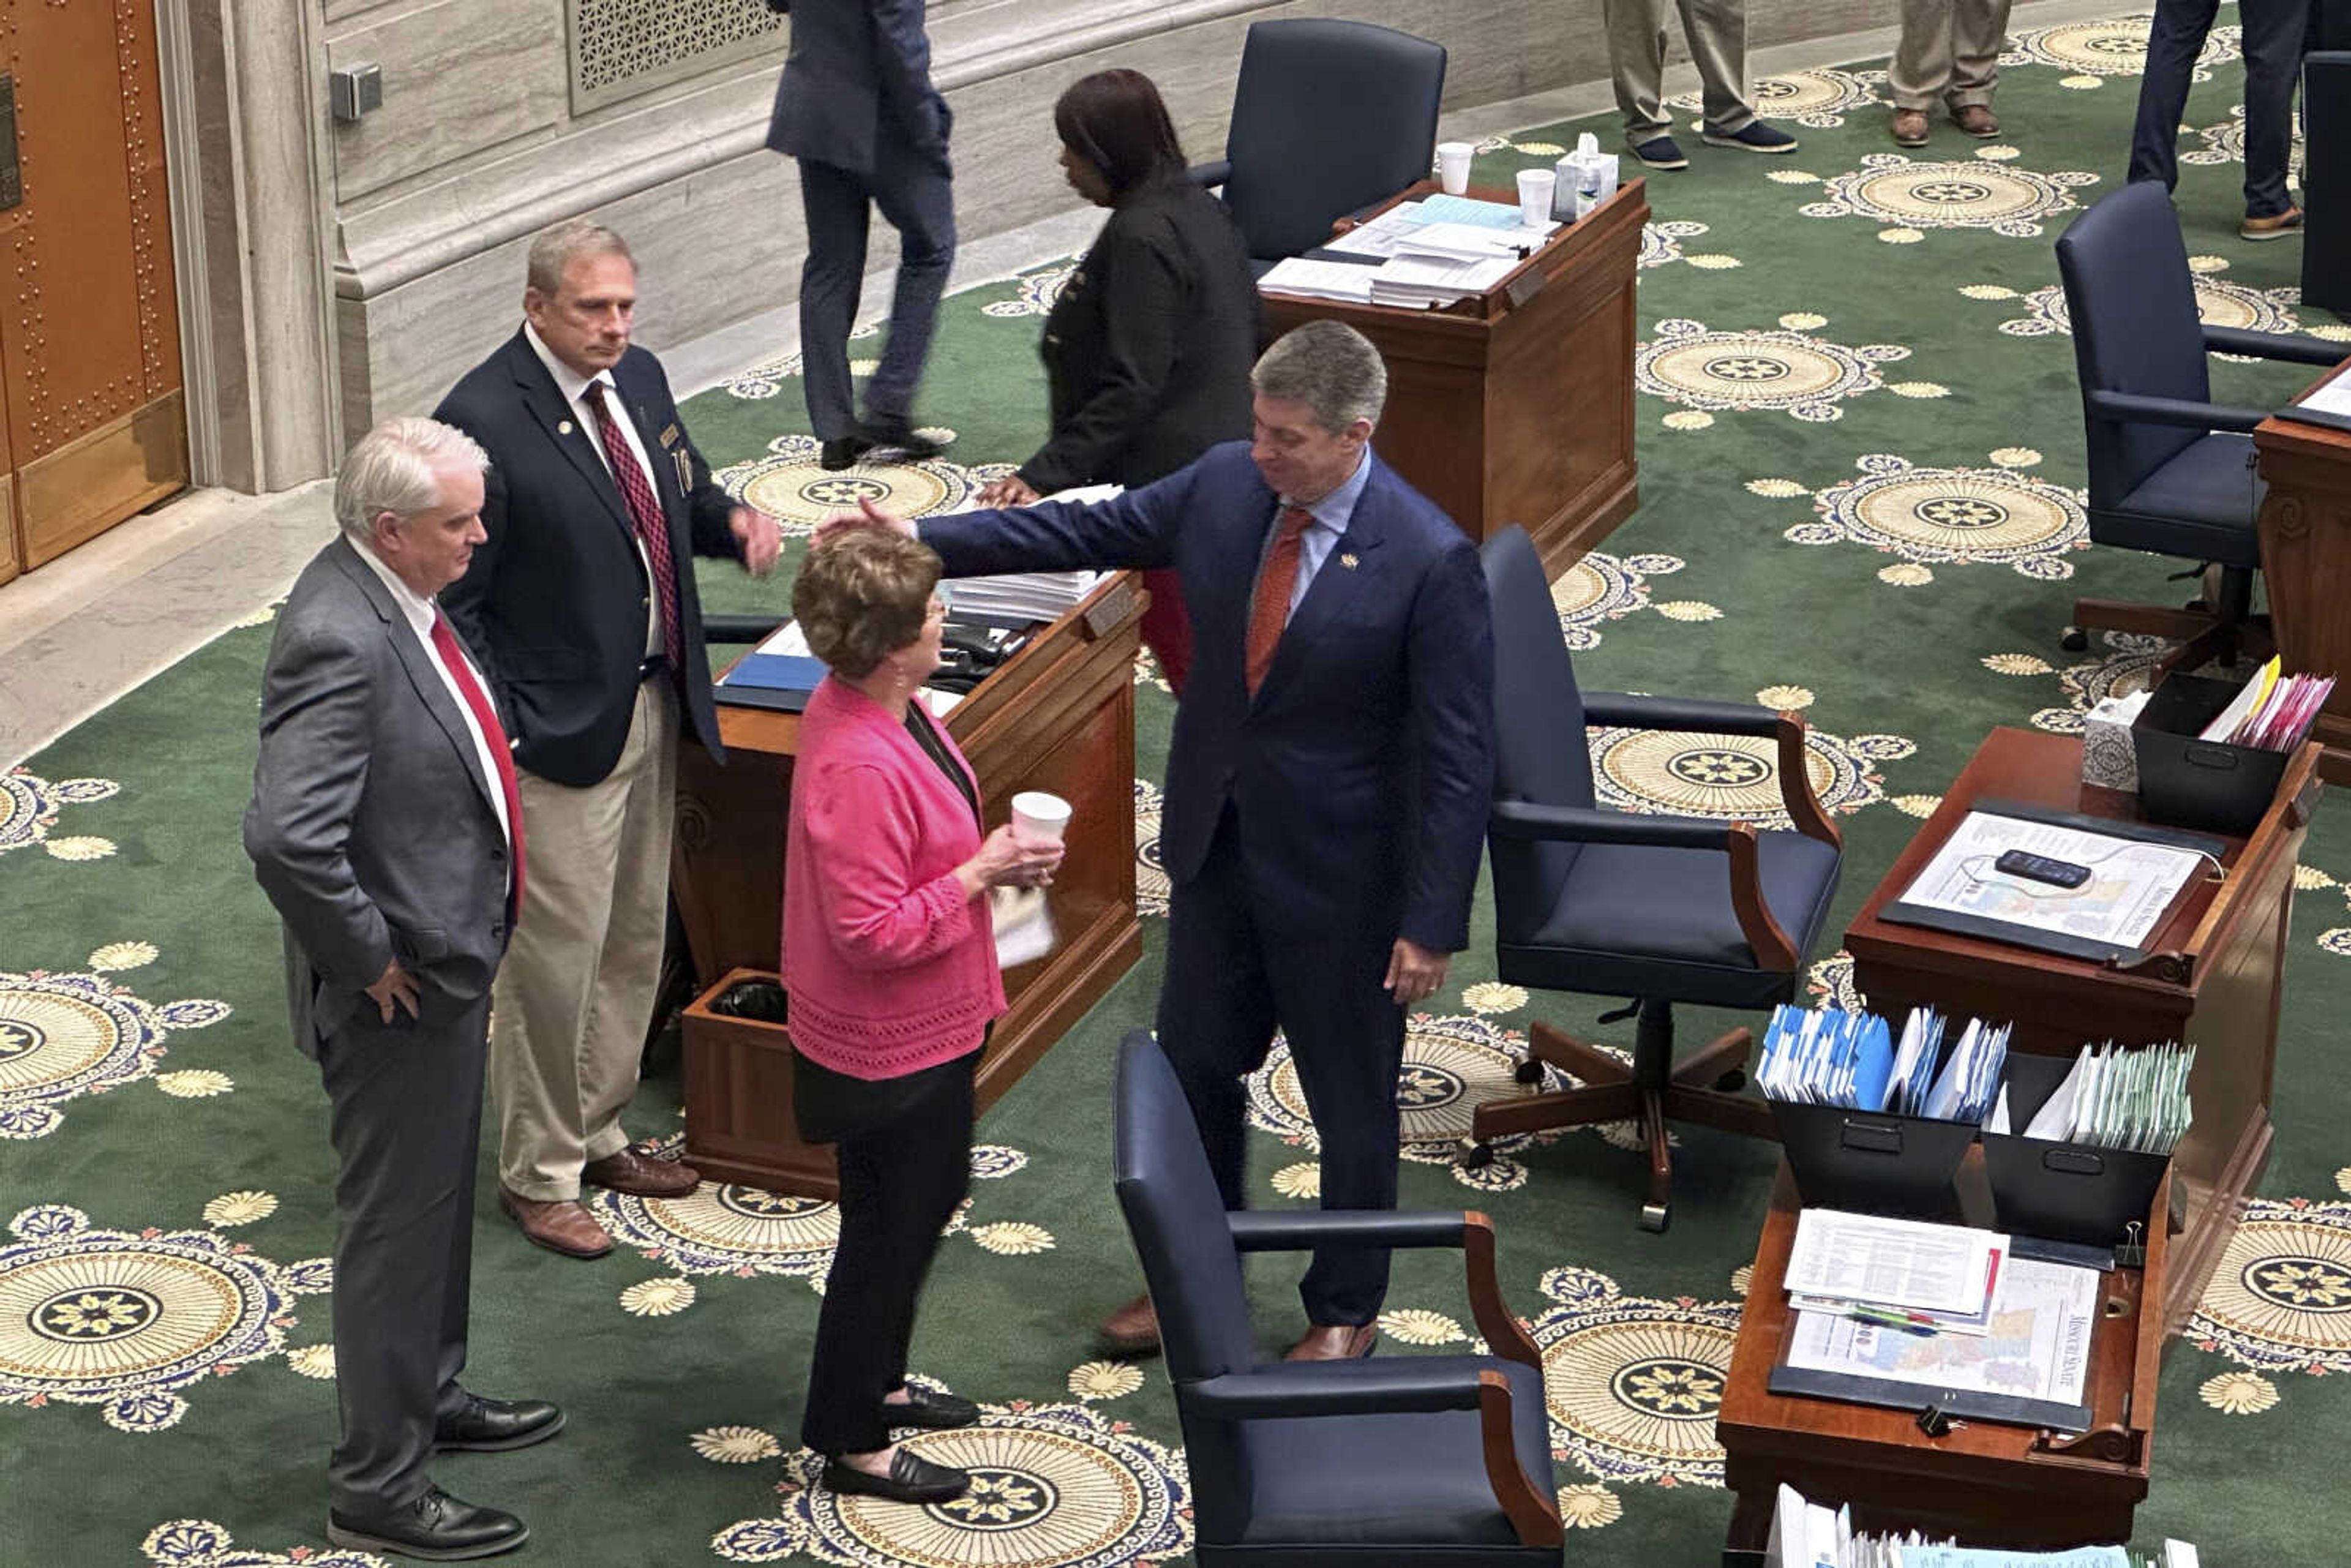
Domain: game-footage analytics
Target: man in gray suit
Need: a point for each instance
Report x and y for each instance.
(386, 829)
(856, 108)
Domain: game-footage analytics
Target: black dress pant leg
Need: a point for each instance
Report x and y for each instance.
(902, 1174)
(1216, 1006)
(2175, 39)
(405, 1119)
(2274, 34)
(833, 206)
(1346, 1040)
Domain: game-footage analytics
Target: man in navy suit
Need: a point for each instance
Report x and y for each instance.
(856, 108)
(582, 603)
(1327, 788)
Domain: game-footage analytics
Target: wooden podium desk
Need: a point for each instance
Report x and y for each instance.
(1517, 406)
(1987, 1483)
(2211, 976)
(2305, 531)
(1058, 716)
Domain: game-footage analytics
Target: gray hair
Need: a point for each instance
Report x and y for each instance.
(554, 251)
(391, 469)
(1331, 368)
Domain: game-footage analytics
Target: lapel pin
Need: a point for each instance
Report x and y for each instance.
(1351, 560)
(562, 427)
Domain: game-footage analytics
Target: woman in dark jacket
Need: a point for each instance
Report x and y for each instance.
(1147, 350)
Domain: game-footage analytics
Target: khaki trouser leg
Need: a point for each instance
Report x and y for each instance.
(575, 994)
(1716, 31)
(1636, 60)
(1949, 50)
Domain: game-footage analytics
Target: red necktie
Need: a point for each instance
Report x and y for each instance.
(1271, 607)
(645, 511)
(453, 659)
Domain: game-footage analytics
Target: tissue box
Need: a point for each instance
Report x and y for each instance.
(2109, 756)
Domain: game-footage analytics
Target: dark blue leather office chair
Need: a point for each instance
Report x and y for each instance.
(1329, 117)
(2171, 472)
(1660, 909)
(1442, 1461)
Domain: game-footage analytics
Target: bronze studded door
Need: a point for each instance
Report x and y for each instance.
(92, 426)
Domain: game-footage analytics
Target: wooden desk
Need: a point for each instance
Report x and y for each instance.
(2213, 975)
(2305, 528)
(1988, 1484)
(1059, 716)
(1517, 406)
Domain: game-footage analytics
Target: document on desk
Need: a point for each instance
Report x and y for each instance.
(2132, 881)
(1341, 280)
(2037, 1348)
(1876, 1261)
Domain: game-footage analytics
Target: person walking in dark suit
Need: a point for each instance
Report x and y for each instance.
(1148, 347)
(2274, 35)
(856, 108)
(386, 828)
(1327, 785)
(582, 602)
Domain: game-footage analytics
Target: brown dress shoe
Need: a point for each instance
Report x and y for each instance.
(1335, 1341)
(2277, 227)
(1131, 1331)
(1908, 127)
(641, 1176)
(564, 1226)
(1976, 119)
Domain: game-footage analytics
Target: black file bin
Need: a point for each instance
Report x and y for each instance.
(2064, 1192)
(1871, 1161)
(2184, 782)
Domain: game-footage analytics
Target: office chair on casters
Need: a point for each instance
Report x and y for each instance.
(2171, 472)
(1442, 1461)
(1329, 117)
(1662, 909)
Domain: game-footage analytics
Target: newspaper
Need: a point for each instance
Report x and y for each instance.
(2132, 882)
(2037, 1346)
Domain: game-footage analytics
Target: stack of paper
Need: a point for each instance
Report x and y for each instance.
(2117, 1097)
(1805, 1534)
(1341, 280)
(1970, 1080)
(1020, 595)
(1413, 279)
(1898, 1273)
(1827, 1056)
(2273, 713)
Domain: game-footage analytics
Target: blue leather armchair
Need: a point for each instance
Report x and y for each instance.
(1661, 909)
(1329, 117)
(1427, 1460)
(2171, 472)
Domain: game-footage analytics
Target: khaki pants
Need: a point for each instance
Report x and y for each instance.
(1950, 51)
(1717, 34)
(573, 1000)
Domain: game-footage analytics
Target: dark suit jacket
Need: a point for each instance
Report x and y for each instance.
(859, 70)
(557, 599)
(1361, 771)
(372, 828)
(1147, 350)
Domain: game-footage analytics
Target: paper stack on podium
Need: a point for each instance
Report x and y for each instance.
(1826, 1056)
(1805, 1534)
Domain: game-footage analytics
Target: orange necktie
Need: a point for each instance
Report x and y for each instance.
(1269, 610)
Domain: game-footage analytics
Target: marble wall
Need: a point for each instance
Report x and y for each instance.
(477, 146)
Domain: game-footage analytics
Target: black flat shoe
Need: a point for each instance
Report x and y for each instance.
(844, 453)
(495, 1426)
(899, 435)
(933, 1409)
(437, 1527)
(912, 1479)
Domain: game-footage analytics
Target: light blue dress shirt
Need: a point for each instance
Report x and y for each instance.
(1330, 524)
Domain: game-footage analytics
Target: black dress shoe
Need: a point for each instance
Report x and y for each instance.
(495, 1425)
(844, 453)
(912, 1479)
(899, 435)
(437, 1527)
(934, 1410)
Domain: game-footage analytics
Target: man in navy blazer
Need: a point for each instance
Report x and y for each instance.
(582, 603)
(856, 108)
(1327, 789)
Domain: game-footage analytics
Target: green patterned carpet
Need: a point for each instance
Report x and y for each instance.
(1861, 464)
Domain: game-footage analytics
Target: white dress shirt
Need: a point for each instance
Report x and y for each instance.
(419, 613)
(573, 385)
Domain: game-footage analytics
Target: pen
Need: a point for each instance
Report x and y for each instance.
(1906, 1321)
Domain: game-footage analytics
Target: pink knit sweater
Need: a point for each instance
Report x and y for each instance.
(890, 968)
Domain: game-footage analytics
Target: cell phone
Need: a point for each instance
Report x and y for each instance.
(2041, 868)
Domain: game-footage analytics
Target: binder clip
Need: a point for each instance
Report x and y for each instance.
(2132, 1252)
(1936, 1422)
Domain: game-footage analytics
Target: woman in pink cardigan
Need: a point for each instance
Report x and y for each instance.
(890, 964)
